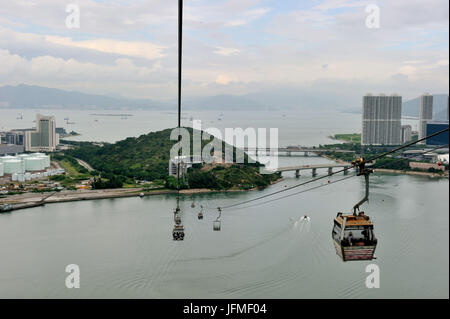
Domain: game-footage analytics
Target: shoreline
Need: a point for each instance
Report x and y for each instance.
(395, 171)
(29, 200)
(402, 172)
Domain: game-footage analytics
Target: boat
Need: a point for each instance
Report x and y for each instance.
(141, 195)
(5, 208)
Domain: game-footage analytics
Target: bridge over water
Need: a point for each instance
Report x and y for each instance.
(313, 168)
(294, 151)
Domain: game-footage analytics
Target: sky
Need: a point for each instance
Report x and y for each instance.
(316, 47)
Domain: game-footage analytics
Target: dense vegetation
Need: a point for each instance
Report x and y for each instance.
(239, 176)
(75, 173)
(147, 158)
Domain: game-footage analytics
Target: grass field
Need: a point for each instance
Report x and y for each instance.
(352, 138)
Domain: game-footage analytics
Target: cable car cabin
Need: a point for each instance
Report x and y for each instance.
(178, 232)
(216, 225)
(353, 237)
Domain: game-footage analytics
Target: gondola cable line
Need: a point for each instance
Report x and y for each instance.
(178, 230)
(354, 165)
(324, 185)
(362, 244)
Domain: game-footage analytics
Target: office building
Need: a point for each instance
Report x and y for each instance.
(44, 138)
(381, 120)
(425, 114)
(434, 127)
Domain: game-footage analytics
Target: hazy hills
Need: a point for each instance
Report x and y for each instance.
(26, 96)
(412, 107)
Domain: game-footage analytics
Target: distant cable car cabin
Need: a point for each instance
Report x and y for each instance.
(178, 232)
(352, 234)
(217, 223)
(178, 228)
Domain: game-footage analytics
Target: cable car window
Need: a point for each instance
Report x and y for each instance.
(336, 232)
(359, 235)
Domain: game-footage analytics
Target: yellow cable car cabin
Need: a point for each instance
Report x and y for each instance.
(352, 234)
(353, 237)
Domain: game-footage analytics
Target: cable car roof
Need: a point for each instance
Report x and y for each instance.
(351, 220)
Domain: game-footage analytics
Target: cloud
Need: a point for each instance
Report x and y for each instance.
(224, 79)
(236, 23)
(248, 17)
(137, 49)
(226, 51)
(121, 76)
(230, 47)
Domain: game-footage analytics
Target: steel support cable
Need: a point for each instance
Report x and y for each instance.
(340, 171)
(180, 60)
(293, 194)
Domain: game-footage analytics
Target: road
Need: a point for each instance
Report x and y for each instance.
(85, 165)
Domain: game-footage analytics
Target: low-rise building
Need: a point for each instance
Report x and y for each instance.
(10, 149)
(426, 166)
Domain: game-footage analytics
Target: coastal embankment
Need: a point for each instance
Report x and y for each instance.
(28, 200)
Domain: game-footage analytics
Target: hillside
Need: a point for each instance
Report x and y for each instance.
(147, 158)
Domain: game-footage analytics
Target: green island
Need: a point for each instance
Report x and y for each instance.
(352, 138)
(144, 162)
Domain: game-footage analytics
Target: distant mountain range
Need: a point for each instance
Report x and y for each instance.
(412, 107)
(26, 96)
